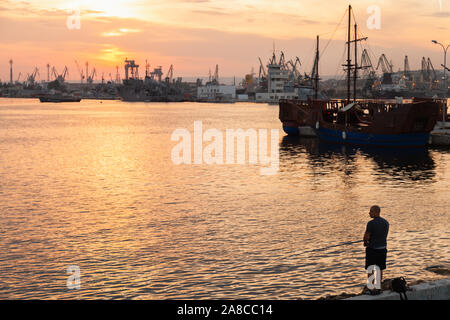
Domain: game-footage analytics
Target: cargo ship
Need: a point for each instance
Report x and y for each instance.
(386, 123)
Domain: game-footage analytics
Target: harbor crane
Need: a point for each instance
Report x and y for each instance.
(386, 66)
(366, 64)
(90, 79)
(368, 71)
(262, 69)
(156, 74)
(428, 72)
(169, 74)
(282, 60)
(31, 78)
(131, 68)
(273, 60)
(18, 78)
(387, 69)
(80, 71)
(293, 65)
(60, 77)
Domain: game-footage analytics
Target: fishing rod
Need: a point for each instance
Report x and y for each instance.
(336, 245)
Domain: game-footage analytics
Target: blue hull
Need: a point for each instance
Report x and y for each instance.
(380, 140)
(291, 131)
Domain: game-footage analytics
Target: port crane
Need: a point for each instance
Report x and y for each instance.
(169, 74)
(282, 61)
(366, 64)
(60, 77)
(386, 66)
(387, 69)
(428, 72)
(368, 71)
(90, 79)
(262, 70)
(156, 74)
(293, 65)
(130, 65)
(31, 78)
(80, 71)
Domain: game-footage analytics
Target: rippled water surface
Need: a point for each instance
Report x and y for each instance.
(92, 184)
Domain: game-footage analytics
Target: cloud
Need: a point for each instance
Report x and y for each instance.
(441, 14)
(195, 35)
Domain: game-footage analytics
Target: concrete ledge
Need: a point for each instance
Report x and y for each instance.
(433, 290)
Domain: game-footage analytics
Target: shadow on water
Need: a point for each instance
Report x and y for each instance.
(408, 164)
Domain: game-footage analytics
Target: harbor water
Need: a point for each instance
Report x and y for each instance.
(93, 185)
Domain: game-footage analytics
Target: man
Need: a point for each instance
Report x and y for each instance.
(375, 240)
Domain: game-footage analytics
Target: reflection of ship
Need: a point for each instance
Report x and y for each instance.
(409, 164)
(361, 122)
(152, 88)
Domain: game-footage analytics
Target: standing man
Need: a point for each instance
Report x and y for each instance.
(375, 240)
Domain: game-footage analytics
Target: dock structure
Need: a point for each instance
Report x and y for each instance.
(433, 290)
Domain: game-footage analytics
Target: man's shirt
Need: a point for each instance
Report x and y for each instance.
(378, 229)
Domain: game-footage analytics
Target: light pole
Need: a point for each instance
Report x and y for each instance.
(444, 115)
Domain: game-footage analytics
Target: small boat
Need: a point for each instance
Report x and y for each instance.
(440, 136)
(297, 118)
(59, 98)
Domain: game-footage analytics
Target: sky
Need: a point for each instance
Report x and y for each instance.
(195, 35)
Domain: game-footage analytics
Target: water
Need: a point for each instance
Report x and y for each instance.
(93, 185)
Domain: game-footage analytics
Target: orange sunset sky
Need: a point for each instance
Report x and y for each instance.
(195, 35)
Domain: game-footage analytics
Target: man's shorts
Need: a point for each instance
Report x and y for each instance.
(376, 257)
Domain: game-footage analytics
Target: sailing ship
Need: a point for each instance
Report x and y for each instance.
(386, 123)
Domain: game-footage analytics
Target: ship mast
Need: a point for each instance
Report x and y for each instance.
(316, 78)
(349, 64)
(349, 58)
(356, 64)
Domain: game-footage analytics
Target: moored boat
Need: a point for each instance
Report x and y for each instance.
(378, 123)
(296, 117)
(385, 123)
(59, 98)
